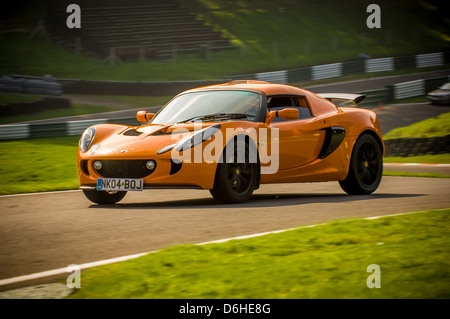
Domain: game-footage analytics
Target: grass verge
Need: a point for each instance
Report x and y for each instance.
(431, 127)
(38, 165)
(427, 159)
(326, 261)
(415, 99)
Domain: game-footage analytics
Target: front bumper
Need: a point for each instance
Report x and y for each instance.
(438, 99)
(167, 174)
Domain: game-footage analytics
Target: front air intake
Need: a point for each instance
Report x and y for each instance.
(124, 169)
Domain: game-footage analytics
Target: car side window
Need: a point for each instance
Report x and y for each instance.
(275, 103)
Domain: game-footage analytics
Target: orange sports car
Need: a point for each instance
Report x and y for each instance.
(232, 137)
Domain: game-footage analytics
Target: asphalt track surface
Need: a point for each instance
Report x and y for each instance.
(52, 230)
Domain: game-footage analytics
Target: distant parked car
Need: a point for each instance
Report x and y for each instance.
(441, 95)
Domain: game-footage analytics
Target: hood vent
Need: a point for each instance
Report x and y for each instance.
(132, 132)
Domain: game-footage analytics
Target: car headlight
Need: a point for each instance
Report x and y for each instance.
(197, 138)
(87, 138)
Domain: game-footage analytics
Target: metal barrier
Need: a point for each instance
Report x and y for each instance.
(361, 66)
(379, 96)
(429, 59)
(47, 130)
(14, 131)
(57, 129)
(409, 89)
(326, 71)
(78, 127)
(299, 75)
(435, 83)
(273, 77)
(353, 67)
(379, 65)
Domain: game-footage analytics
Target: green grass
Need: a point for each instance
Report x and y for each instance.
(429, 159)
(38, 165)
(435, 126)
(409, 174)
(264, 38)
(9, 98)
(132, 102)
(415, 99)
(326, 261)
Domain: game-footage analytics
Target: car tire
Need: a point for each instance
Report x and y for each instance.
(235, 182)
(102, 197)
(366, 167)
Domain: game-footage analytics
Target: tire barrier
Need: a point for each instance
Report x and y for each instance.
(417, 146)
(46, 85)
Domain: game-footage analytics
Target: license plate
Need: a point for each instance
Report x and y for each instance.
(120, 184)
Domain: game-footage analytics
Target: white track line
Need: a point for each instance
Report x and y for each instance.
(41, 193)
(60, 271)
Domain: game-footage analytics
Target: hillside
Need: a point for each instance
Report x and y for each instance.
(267, 36)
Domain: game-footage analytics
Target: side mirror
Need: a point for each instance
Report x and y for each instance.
(143, 116)
(287, 114)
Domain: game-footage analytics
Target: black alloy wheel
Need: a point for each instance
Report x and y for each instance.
(366, 167)
(236, 177)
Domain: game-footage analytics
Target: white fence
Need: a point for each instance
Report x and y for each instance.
(24, 131)
(409, 89)
(14, 131)
(273, 77)
(78, 127)
(429, 59)
(326, 71)
(379, 65)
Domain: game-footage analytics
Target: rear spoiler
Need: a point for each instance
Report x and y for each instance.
(356, 98)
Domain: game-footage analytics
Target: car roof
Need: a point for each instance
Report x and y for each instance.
(265, 87)
(319, 105)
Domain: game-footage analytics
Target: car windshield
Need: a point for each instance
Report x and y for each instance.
(209, 106)
(446, 86)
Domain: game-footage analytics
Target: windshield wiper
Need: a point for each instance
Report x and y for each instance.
(218, 115)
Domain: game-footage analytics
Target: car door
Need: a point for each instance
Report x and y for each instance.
(299, 141)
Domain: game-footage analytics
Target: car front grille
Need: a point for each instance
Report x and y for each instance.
(124, 169)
